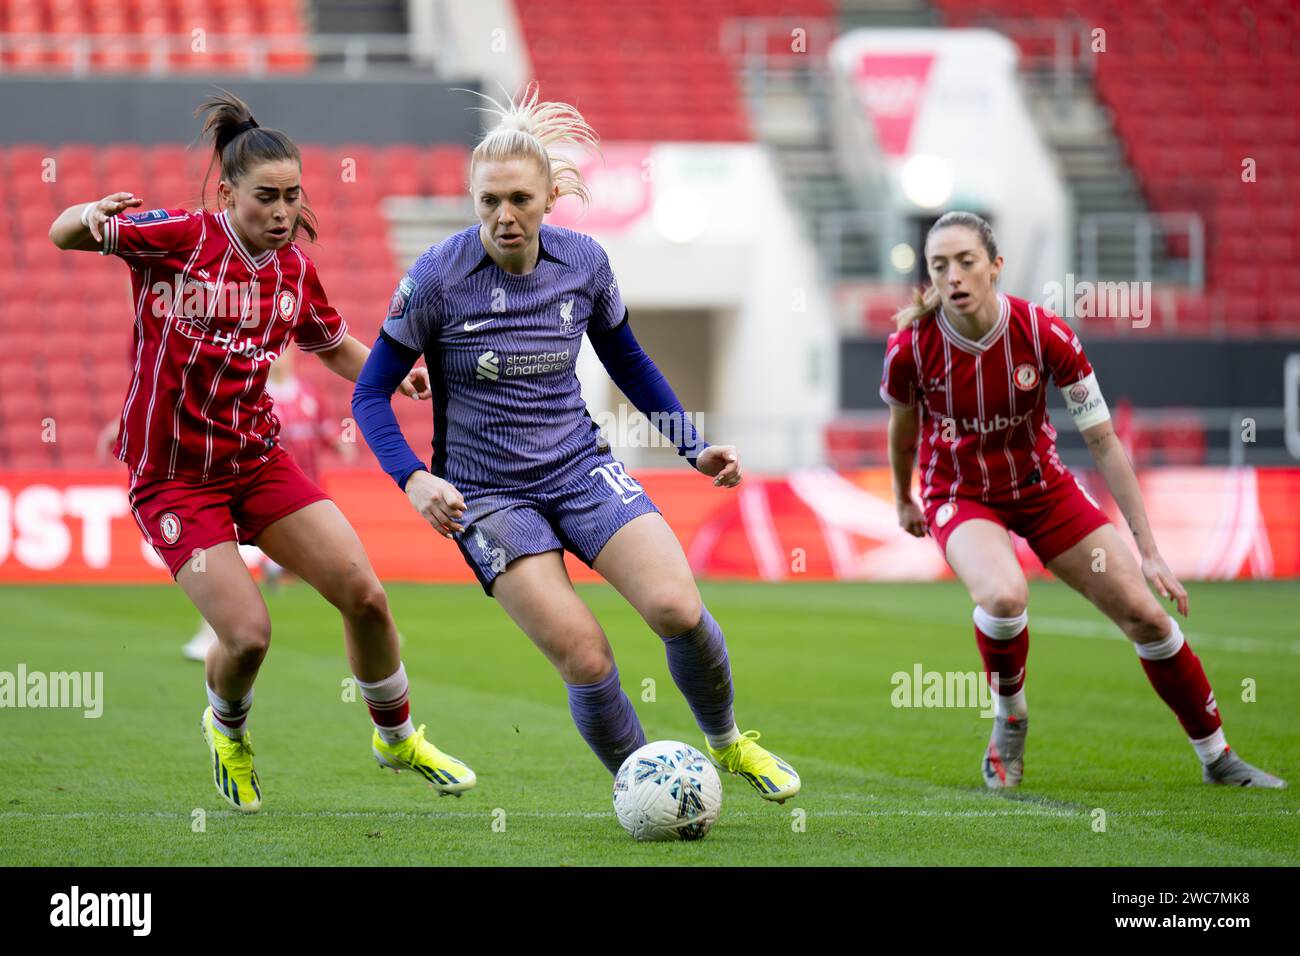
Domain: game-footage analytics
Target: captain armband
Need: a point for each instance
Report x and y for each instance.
(1085, 402)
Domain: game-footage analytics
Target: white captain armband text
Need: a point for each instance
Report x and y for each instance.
(1085, 402)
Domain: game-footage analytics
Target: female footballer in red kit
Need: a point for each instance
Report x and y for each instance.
(966, 378)
(218, 296)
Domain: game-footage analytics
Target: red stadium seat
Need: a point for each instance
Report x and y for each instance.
(1193, 88)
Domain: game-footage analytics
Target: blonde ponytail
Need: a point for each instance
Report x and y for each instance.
(527, 128)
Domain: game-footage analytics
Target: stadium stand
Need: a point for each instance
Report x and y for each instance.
(136, 35)
(683, 86)
(65, 318)
(1193, 89)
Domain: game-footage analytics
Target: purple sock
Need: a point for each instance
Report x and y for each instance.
(606, 720)
(697, 659)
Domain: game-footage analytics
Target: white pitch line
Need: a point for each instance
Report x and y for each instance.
(1221, 642)
(593, 815)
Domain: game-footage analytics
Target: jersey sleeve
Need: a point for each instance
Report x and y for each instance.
(152, 234)
(1072, 372)
(607, 310)
(415, 310)
(319, 326)
(1062, 351)
(898, 379)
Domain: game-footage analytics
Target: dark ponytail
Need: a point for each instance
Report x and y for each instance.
(239, 143)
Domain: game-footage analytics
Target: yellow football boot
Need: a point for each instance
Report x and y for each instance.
(767, 773)
(445, 774)
(232, 767)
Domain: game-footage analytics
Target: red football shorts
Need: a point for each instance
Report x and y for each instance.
(1051, 521)
(181, 517)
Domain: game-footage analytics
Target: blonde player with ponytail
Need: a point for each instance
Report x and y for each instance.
(519, 472)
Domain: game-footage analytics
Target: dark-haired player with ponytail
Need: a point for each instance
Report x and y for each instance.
(966, 377)
(218, 296)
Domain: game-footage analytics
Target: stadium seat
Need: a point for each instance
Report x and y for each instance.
(1193, 89)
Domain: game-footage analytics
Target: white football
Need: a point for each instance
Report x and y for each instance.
(667, 790)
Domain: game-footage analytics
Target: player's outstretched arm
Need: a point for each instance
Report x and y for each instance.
(904, 428)
(1108, 455)
(387, 367)
(348, 358)
(81, 227)
(636, 374)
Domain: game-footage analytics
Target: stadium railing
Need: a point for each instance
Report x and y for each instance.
(1147, 229)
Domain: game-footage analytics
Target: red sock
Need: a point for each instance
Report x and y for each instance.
(1181, 683)
(1004, 646)
(387, 699)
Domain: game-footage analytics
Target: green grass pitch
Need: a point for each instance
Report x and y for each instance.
(813, 665)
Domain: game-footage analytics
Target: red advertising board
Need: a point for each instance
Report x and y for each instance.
(815, 524)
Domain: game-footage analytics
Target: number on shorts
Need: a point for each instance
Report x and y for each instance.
(617, 478)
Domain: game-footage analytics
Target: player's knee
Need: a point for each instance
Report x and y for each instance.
(247, 641)
(1145, 621)
(1004, 598)
(365, 601)
(588, 665)
(673, 612)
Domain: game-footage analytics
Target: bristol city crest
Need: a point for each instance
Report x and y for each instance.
(1026, 377)
(944, 514)
(170, 526)
(284, 303)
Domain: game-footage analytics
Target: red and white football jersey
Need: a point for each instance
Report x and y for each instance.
(985, 432)
(210, 318)
(305, 425)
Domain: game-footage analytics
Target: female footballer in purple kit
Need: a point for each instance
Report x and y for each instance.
(520, 472)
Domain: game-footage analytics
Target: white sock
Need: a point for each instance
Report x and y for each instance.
(395, 735)
(1162, 650)
(1210, 748)
(726, 740)
(1011, 705)
(231, 710)
(387, 694)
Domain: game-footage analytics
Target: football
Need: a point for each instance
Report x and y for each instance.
(667, 790)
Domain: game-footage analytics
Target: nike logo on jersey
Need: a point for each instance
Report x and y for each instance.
(471, 326)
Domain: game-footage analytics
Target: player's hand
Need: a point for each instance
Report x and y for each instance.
(1163, 580)
(911, 517)
(437, 502)
(106, 209)
(721, 463)
(416, 385)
